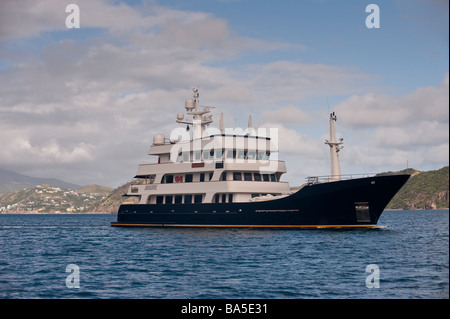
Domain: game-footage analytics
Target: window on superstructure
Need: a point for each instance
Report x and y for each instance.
(202, 177)
(237, 176)
(224, 198)
(205, 155)
(217, 198)
(219, 165)
(219, 154)
(211, 175)
(266, 177)
(169, 199)
(251, 155)
(188, 178)
(188, 199)
(159, 199)
(247, 176)
(186, 156)
(198, 198)
(230, 198)
(178, 199)
(241, 154)
(273, 178)
(223, 177)
(231, 154)
(197, 156)
(260, 155)
(257, 177)
(169, 179)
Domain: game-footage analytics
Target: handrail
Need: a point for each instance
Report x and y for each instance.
(310, 180)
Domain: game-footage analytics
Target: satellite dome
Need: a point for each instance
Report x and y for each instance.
(189, 104)
(180, 116)
(158, 139)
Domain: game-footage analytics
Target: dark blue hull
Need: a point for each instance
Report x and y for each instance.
(346, 203)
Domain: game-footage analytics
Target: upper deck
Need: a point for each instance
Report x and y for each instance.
(226, 165)
(215, 143)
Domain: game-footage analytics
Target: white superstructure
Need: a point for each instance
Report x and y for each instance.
(205, 167)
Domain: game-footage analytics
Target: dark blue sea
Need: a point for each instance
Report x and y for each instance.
(49, 256)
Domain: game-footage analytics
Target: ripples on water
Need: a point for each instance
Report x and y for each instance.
(411, 249)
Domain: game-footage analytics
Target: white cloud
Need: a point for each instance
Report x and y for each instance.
(370, 110)
(296, 81)
(28, 18)
(393, 130)
(291, 141)
(20, 150)
(288, 115)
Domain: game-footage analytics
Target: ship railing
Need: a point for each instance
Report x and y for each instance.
(311, 180)
(138, 189)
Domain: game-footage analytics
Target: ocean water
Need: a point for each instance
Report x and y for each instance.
(49, 256)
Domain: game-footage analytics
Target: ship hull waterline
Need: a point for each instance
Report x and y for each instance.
(340, 204)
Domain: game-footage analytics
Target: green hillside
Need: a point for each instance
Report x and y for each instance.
(95, 189)
(49, 199)
(111, 203)
(424, 190)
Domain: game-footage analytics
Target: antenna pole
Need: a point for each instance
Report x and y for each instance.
(221, 123)
(335, 147)
(200, 120)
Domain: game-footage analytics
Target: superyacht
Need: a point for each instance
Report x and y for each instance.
(207, 177)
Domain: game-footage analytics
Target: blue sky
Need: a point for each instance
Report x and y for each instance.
(83, 104)
(406, 52)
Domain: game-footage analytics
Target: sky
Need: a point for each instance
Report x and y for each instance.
(83, 104)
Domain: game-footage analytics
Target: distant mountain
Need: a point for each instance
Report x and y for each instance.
(11, 181)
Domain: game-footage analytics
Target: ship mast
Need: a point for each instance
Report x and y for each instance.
(335, 147)
(199, 120)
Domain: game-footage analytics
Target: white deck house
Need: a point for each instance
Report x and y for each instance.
(218, 168)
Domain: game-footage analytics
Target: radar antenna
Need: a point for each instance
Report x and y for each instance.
(199, 121)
